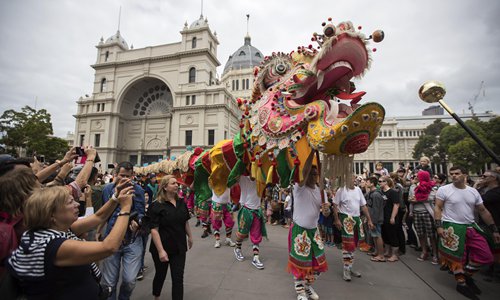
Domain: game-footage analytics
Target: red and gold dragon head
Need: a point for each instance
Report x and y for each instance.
(308, 95)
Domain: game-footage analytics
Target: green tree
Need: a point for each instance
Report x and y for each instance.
(428, 143)
(435, 128)
(492, 129)
(462, 149)
(30, 129)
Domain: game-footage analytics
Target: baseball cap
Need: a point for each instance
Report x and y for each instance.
(8, 162)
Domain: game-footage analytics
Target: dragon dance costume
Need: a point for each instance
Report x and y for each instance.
(349, 202)
(306, 258)
(463, 248)
(250, 220)
(221, 212)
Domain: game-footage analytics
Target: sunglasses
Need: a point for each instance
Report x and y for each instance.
(380, 181)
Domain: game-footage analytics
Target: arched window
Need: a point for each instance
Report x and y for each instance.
(192, 75)
(193, 43)
(242, 53)
(258, 54)
(210, 44)
(248, 86)
(106, 56)
(210, 78)
(103, 85)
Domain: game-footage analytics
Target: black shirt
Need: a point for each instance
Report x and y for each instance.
(426, 168)
(75, 282)
(391, 197)
(170, 221)
(491, 200)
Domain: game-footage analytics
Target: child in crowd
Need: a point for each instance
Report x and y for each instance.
(328, 223)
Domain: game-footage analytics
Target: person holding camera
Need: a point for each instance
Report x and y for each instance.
(128, 257)
(51, 261)
(169, 225)
(17, 183)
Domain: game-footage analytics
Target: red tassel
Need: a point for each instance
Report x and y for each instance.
(246, 158)
(276, 178)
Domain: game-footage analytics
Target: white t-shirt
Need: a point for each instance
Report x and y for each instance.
(249, 197)
(349, 201)
(459, 204)
(307, 206)
(224, 198)
(288, 201)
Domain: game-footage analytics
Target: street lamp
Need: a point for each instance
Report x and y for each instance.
(434, 91)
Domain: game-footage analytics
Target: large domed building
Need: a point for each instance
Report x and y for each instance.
(150, 103)
(238, 71)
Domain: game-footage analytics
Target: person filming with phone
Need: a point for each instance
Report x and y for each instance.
(51, 262)
(127, 259)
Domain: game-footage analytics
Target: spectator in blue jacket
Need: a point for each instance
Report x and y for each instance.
(127, 259)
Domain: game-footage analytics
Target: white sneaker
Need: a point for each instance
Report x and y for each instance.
(302, 296)
(237, 253)
(355, 273)
(311, 293)
(217, 244)
(229, 242)
(256, 262)
(347, 275)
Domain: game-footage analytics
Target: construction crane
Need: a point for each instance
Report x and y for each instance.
(474, 99)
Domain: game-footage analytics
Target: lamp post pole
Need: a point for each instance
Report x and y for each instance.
(432, 92)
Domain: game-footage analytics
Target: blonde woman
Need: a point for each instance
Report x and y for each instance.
(169, 225)
(51, 261)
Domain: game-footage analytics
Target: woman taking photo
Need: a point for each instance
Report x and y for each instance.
(51, 262)
(169, 227)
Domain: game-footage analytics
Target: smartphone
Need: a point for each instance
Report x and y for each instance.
(40, 158)
(111, 166)
(82, 157)
(80, 151)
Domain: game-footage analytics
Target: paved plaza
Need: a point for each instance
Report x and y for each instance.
(215, 274)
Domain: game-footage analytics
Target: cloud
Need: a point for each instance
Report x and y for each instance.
(48, 46)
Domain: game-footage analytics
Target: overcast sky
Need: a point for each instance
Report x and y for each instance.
(47, 47)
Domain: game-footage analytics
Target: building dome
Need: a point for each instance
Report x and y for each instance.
(117, 38)
(247, 56)
(199, 23)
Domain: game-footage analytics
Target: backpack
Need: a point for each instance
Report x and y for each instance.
(8, 237)
(9, 286)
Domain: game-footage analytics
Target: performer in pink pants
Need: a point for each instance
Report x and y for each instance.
(221, 212)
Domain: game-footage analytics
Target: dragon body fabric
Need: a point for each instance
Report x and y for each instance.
(300, 102)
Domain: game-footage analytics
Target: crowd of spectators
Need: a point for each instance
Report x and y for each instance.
(48, 210)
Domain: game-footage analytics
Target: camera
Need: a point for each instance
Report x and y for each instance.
(80, 151)
(82, 156)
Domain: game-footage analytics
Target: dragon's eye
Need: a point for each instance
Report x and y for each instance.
(280, 69)
(329, 30)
